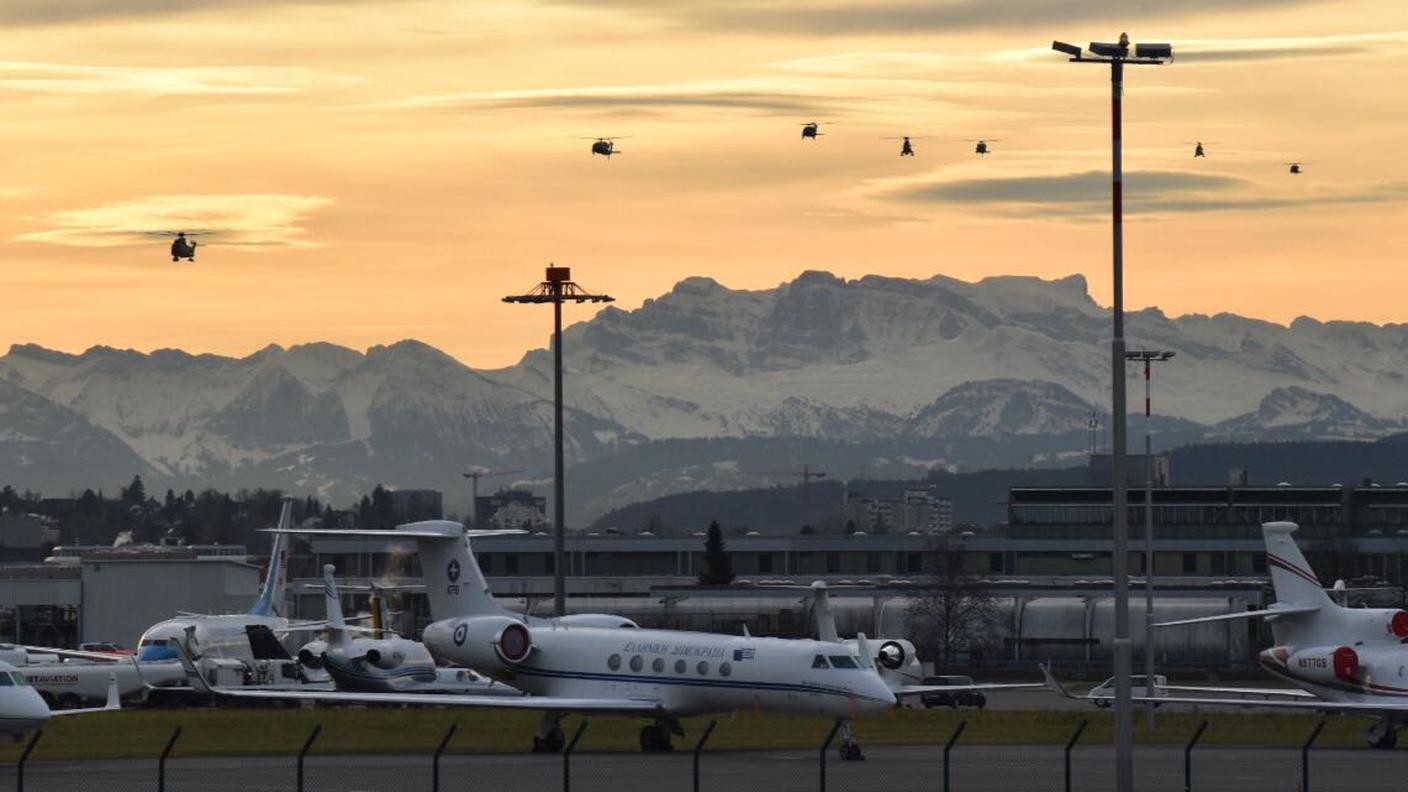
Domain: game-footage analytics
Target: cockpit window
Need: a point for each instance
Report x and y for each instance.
(5, 680)
(844, 661)
(820, 662)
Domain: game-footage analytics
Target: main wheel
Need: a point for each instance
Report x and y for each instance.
(850, 752)
(550, 744)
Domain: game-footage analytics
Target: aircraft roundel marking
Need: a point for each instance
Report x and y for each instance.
(452, 571)
(461, 632)
(1399, 624)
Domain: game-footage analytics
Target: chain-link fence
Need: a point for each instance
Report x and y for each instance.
(945, 764)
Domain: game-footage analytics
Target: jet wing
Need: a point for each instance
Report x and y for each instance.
(915, 690)
(1285, 692)
(1269, 613)
(76, 654)
(114, 702)
(559, 703)
(1311, 704)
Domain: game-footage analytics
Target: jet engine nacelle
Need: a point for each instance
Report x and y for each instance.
(384, 655)
(597, 620)
(484, 643)
(311, 655)
(1375, 624)
(1326, 664)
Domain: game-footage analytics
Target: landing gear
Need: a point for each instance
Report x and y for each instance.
(549, 737)
(1383, 735)
(850, 747)
(655, 738)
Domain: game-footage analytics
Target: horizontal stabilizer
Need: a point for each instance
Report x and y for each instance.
(1269, 613)
(915, 690)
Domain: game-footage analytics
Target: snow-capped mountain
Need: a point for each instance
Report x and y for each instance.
(890, 373)
(1295, 413)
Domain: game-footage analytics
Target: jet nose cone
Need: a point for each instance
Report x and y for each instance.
(28, 710)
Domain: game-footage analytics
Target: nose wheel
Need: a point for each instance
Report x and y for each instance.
(850, 746)
(549, 737)
(655, 738)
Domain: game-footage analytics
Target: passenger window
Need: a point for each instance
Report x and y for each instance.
(658, 664)
(843, 661)
(637, 662)
(680, 666)
(702, 668)
(613, 662)
(725, 669)
(820, 662)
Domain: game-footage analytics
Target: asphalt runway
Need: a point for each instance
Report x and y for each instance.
(888, 769)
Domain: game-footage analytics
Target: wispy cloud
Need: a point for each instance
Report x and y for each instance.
(811, 17)
(761, 94)
(1087, 193)
(159, 81)
(248, 220)
(54, 12)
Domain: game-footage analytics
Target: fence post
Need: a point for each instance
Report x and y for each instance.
(435, 765)
(1071, 743)
(699, 748)
(826, 746)
(161, 763)
(1188, 757)
(1305, 757)
(567, 758)
(308, 744)
(949, 747)
(24, 757)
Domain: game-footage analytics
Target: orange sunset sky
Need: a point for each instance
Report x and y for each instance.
(385, 169)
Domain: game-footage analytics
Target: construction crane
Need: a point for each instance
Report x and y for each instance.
(474, 475)
(806, 473)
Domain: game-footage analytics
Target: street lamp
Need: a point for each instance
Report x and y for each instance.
(1116, 56)
(1149, 357)
(558, 288)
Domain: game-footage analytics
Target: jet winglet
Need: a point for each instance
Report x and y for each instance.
(193, 675)
(1054, 683)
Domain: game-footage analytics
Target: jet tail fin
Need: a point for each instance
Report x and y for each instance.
(271, 598)
(1295, 582)
(336, 624)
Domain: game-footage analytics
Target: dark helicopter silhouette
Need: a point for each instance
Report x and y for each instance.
(1295, 167)
(1198, 149)
(981, 146)
(906, 148)
(605, 146)
(810, 130)
(182, 246)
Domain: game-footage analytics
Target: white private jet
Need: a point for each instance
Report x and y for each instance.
(385, 663)
(23, 710)
(569, 667)
(1350, 660)
(895, 659)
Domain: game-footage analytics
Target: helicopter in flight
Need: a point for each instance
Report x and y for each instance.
(906, 148)
(1198, 147)
(810, 130)
(182, 244)
(981, 147)
(1295, 167)
(605, 146)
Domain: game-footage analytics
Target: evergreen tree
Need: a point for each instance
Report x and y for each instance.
(718, 566)
(135, 493)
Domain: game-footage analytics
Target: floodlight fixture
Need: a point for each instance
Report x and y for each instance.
(1107, 50)
(1069, 49)
(1161, 51)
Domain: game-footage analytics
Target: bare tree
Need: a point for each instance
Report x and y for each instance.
(953, 614)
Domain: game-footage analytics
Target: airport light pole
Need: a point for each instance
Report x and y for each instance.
(1149, 357)
(1116, 56)
(556, 289)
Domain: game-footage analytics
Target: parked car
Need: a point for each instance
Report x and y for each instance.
(1104, 693)
(958, 698)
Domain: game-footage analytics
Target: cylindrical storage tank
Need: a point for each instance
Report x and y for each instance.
(1053, 628)
(1214, 644)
